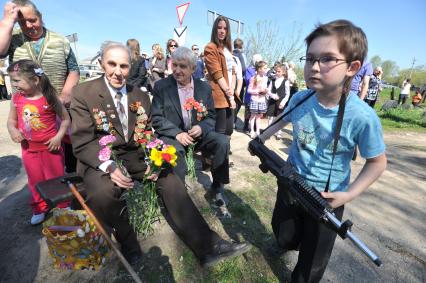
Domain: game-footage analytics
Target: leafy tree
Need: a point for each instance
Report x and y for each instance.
(418, 75)
(376, 61)
(390, 70)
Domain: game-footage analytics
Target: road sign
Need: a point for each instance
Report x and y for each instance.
(72, 37)
(235, 25)
(181, 11)
(179, 35)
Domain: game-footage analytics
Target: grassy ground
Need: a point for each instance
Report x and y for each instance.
(401, 118)
(251, 210)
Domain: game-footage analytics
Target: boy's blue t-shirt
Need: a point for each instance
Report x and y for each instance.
(313, 131)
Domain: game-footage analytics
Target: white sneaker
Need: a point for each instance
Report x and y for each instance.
(37, 218)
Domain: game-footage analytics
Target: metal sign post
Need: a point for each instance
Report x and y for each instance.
(72, 38)
(236, 25)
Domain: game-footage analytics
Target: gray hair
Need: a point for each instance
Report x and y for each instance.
(185, 54)
(107, 45)
(27, 3)
(256, 58)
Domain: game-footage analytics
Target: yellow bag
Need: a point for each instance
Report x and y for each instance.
(73, 240)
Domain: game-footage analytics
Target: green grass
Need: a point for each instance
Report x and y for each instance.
(400, 118)
(251, 210)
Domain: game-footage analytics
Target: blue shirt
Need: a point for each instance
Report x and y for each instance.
(199, 69)
(250, 72)
(313, 131)
(365, 71)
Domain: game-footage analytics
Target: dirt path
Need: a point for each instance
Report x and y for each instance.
(389, 217)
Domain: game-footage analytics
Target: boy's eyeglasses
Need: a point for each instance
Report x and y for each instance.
(195, 49)
(323, 61)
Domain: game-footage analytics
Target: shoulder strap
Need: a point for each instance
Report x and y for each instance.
(340, 113)
(285, 113)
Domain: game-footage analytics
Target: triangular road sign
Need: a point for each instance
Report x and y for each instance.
(181, 11)
(180, 35)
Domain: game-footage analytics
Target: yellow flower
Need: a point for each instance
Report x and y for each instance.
(156, 157)
(169, 155)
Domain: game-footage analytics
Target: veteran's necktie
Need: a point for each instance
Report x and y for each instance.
(122, 114)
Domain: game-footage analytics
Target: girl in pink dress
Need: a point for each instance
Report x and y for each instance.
(32, 122)
(258, 88)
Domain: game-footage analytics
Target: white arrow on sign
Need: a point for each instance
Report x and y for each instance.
(181, 11)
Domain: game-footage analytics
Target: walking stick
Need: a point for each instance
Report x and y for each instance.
(103, 232)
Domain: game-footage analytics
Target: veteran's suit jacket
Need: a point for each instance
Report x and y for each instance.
(85, 136)
(167, 119)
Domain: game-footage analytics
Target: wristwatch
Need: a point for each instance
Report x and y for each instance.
(111, 168)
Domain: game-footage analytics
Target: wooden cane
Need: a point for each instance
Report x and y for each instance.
(104, 233)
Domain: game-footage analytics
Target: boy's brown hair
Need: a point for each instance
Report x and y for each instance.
(351, 39)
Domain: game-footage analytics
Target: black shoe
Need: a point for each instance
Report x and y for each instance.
(132, 256)
(220, 199)
(275, 251)
(223, 250)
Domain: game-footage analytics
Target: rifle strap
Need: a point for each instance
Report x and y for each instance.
(340, 113)
(285, 113)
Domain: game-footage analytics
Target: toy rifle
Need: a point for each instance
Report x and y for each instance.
(308, 197)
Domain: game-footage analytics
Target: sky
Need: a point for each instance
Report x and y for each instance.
(396, 30)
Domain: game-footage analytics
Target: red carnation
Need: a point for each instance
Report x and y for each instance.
(167, 157)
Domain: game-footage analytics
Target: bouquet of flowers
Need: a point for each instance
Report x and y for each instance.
(190, 105)
(141, 201)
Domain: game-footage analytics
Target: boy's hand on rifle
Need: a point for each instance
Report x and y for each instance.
(337, 199)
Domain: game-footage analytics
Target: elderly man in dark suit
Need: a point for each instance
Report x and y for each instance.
(105, 182)
(173, 124)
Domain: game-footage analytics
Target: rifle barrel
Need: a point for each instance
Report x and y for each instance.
(357, 242)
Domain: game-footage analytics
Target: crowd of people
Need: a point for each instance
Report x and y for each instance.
(48, 99)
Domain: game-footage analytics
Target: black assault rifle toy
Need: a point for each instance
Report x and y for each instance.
(308, 197)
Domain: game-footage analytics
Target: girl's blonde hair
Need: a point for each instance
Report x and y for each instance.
(159, 53)
(283, 69)
(257, 67)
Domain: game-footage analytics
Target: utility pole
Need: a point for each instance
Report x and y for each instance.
(412, 66)
(73, 38)
(237, 24)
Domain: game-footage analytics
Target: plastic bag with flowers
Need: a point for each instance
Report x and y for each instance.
(141, 201)
(73, 240)
(190, 105)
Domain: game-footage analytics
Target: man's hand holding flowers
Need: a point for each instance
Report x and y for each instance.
(195, 131)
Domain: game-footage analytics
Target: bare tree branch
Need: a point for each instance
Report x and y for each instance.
(266, 40)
